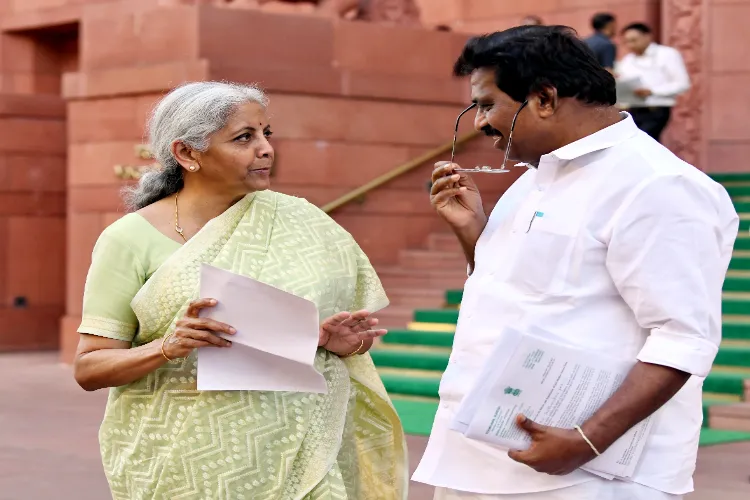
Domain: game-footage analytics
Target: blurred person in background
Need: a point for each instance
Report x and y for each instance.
(662, 73)
(531, 21)
(161, 438)
(601, 44)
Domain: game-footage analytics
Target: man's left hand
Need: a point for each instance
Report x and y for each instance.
(642, 93)
(553, 451)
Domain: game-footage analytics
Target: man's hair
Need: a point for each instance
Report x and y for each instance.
(528, 58)
(643, 28)
(601, 20)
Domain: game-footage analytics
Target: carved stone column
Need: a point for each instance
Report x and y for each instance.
(683, 27)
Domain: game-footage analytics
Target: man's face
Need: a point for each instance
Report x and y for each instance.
(610, 30)
(636, 41)
(495, 111)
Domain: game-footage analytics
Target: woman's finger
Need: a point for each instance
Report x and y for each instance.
(336, 319)
(210, 325)
(372, 334)
(195, 306)
(205, 336)
(188, 343)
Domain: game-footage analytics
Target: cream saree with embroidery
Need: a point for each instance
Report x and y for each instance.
(163, 439)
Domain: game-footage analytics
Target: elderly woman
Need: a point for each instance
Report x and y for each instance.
(209, 203)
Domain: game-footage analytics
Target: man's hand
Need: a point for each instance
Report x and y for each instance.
(642, 93)
(553, 451)
(455, 197)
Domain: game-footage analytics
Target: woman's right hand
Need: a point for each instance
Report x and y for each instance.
(455, 197)
(192, 331)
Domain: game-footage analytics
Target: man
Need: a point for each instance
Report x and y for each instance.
(662, 73)
(608, 240)
(600, 43)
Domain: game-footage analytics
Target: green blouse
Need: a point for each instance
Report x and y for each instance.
(126, 255)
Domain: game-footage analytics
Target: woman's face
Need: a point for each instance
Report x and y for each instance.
(239, 157)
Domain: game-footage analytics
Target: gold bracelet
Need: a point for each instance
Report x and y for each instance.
(361, 345)
(162, 347)
(580, 431)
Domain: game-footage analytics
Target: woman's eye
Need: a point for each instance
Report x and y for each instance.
(243, 137)
(267, 133)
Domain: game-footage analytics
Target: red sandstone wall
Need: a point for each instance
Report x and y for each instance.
(32, 221)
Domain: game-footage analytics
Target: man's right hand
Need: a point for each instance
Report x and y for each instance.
(456, 198)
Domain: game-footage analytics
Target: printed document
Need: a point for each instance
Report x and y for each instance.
(554, 384)
(276, 340)
(625, 88)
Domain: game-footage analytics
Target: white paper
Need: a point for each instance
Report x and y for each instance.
(553, 384)
(625, 88)
(276, 340)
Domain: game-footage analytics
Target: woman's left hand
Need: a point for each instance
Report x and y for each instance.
(349, 333)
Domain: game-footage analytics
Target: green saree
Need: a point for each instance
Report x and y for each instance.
(162, 439)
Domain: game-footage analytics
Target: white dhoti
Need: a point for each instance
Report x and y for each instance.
(593, 490)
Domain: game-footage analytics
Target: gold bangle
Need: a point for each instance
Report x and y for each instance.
(580, 431)
(162, 347)
(361, 345)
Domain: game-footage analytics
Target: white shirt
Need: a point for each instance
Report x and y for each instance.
(627, 254)
(661, 70)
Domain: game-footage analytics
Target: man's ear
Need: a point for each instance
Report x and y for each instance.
(545, 100)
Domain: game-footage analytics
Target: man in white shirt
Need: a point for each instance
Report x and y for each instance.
(608, 240)
(662, 72)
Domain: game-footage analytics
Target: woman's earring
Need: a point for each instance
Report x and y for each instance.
(193, 168)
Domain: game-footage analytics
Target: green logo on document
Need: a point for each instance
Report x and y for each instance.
(512, 392)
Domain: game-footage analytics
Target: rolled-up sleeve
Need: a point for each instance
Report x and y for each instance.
(668, 254)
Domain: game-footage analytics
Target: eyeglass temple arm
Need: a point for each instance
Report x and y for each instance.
(455, 131)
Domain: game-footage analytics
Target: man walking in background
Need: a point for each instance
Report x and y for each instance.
(605, 51)
(662, 74)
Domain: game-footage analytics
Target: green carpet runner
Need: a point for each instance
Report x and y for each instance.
(412, 361)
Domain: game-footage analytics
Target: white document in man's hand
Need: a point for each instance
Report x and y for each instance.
(625, 88)
(276, 340)
(553, 384)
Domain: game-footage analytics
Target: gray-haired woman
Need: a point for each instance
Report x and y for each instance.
(163, 439)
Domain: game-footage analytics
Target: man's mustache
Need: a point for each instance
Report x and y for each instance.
(491, 132)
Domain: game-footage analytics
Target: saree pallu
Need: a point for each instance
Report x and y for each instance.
(162, 439)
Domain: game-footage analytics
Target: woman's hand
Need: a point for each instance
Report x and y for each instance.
(345, 334)
(192, 332)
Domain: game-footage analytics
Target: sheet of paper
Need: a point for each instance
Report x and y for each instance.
(557, 385)
(625, 88)
(276, 340)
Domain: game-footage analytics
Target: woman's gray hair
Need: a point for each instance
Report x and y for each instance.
(189, 114)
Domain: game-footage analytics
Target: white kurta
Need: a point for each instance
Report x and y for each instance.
(620, 247)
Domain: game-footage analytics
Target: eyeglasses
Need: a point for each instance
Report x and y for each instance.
(487, 169)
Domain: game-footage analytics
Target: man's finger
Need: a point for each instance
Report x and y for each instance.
(529, 425)
(443, 196)
(442, 168)
(522, 457)
(443, 183)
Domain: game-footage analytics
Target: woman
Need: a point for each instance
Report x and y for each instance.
(163, 439)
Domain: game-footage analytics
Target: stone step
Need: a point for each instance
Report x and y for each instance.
(417, 298)
(732, 417)
(394, 317)
(443, 242)
(399, 277)
(432, 259)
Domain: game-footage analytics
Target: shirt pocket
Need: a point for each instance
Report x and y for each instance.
(543, 258)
